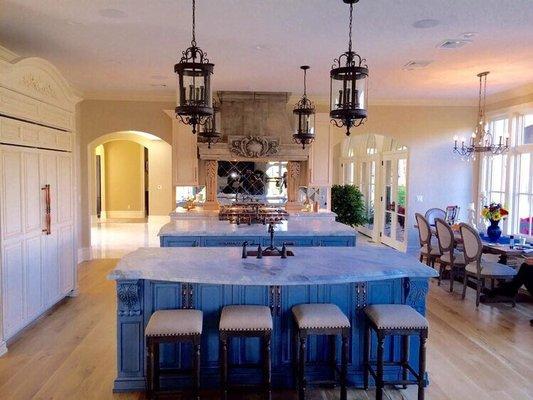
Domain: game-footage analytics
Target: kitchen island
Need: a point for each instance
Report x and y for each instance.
(210, 232)
(207, 279)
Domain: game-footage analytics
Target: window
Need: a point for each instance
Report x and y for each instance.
(508, 178)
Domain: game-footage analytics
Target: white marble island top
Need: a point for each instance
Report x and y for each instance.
(211, 227)
(310, 265)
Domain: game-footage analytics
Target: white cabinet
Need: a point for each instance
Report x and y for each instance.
(320, 163)
(38, 269)
(184, 155)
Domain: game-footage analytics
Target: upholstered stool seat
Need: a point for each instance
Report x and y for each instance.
(174, 323)
(319, 316)
(395, 316)
(245, 318)
(320, 319)
(404, 321)
(172, 326)
(246, 321)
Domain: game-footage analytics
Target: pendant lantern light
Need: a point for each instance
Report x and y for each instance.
(194, 101)
(349, 85)
(209, 133)
(304, 117)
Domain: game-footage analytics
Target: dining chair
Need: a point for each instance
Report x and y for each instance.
(449, 259)
(428, 250)
(477, 269)
(434, 213)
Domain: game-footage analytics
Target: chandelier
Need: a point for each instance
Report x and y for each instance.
(304, 117)
(481, 141)
(209, 134)
(348, 86)
(194, 105)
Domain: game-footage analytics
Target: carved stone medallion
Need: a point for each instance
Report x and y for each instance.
(129, 299)
(254, 146)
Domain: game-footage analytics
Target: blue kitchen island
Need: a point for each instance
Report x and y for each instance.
(209, 278)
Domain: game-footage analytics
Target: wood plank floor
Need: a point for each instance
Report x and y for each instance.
(70, 354)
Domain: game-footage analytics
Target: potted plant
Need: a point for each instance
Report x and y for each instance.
(348, 203)
(494, 213)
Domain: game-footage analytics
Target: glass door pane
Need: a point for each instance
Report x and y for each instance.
(389, 203)
(401, 199)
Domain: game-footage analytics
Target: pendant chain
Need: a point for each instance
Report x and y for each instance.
(350, 32)
(193, 41)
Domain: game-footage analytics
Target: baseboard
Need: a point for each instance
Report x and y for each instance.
(3, 347)
(84, 254)
(125, 214)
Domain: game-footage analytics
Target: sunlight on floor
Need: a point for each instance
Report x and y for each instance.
(114, 239)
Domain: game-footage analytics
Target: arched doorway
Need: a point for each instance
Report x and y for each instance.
(151, 168)
(377, 164)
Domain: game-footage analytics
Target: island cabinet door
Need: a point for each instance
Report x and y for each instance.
(180, 241)
(230, 241)
(298, 241)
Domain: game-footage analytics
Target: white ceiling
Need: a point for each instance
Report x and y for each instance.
(259, 44)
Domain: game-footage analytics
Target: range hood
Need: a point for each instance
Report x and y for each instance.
(254, 126)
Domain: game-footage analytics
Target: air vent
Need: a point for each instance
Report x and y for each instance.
(453, 43)
(412, 65)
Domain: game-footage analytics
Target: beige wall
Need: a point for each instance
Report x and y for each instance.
(100, 121)
(124, 177)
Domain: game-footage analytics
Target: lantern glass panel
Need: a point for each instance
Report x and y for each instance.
(304, 122)
(348, 89)
(194, 88)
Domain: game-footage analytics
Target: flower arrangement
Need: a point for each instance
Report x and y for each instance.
(494, 212)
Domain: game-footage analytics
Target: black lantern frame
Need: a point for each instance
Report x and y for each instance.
(304, 117)
(209, 133)
(194, 100)
(349, 86)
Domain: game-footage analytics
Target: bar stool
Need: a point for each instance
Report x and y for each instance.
(172, 326)
(395, 319)
(320, 319)
(246, 321)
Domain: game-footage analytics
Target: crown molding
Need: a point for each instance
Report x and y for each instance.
(130, 96)
(520, 91)
(8, 55)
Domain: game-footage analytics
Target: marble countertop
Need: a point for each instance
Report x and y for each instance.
(310, 265)
(210, 227)
(200, 213)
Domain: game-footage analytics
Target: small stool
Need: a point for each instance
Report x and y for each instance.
(246, 321)
(172, 326)
(320, 319)
(395, 319)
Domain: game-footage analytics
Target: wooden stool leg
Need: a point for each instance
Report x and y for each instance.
(366, 357)
(332, 344)
(344, 364)
(379, 373)
(267, 366)
(224, 366)
(301, 366)
(405, 358)
(296, 357)
(422, 364)
(156, 374)
(150, 369)
(196, 362)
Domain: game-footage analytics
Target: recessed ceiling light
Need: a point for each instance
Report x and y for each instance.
(158, 77)
(412, 65)
(158, 85)
(453, 43)
(426, 23)
(112, 13)
(260, 47)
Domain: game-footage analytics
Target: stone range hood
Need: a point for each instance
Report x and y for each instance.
(254, 126)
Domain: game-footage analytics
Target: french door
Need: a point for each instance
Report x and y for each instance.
(394, 200)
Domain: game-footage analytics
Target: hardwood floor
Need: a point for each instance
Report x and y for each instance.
(70, 353)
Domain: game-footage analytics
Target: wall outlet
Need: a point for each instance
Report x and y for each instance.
(159, 187)
(419, 198)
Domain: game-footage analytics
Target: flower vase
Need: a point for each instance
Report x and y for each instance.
(493, 231)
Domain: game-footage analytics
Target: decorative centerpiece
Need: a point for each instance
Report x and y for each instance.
(494, 213)
(189, 204)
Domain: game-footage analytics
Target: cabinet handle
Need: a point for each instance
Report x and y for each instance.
(47, 210)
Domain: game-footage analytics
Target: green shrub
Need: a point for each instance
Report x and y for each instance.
(348, 203)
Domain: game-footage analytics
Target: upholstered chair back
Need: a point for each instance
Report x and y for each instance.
(433, 213)
(472, 245)
(424, 230)
(444, 236)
